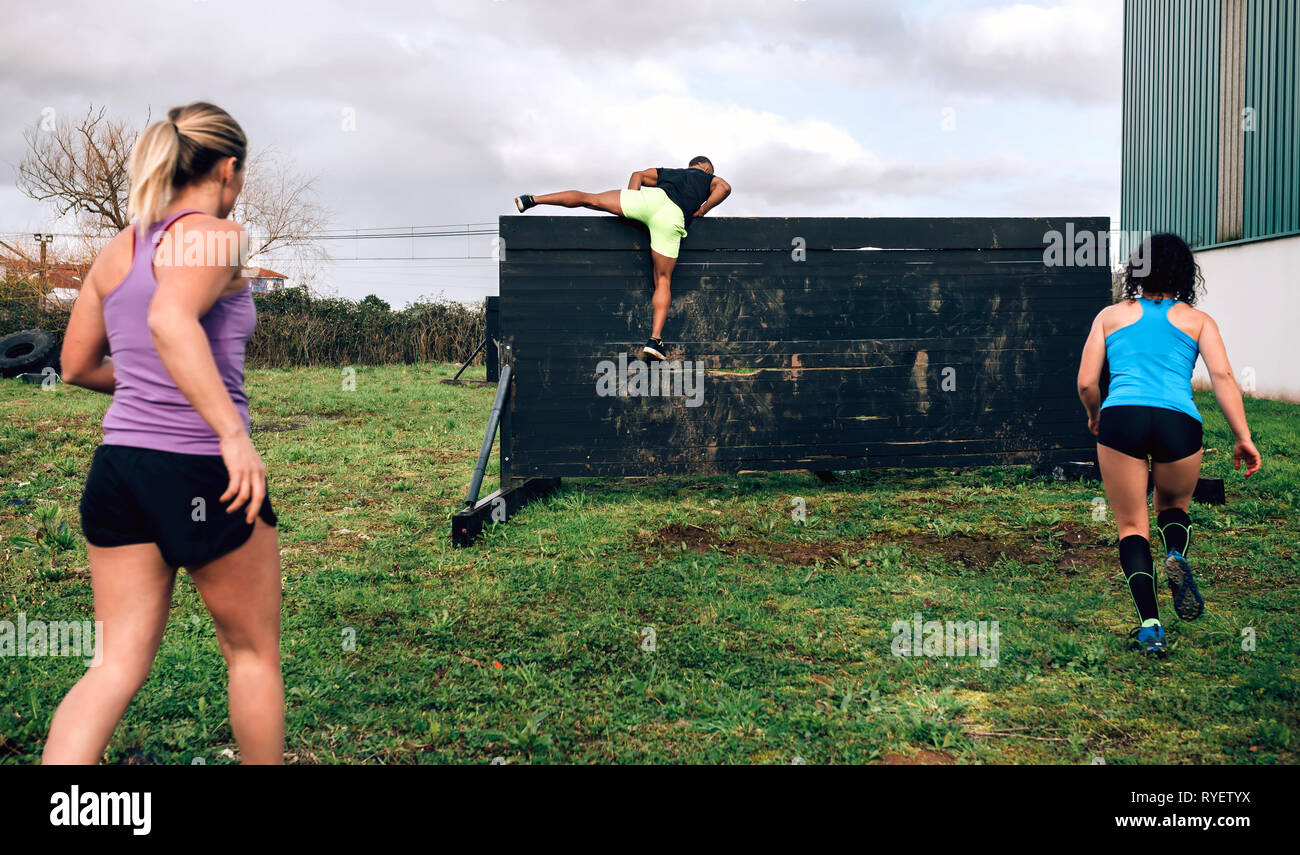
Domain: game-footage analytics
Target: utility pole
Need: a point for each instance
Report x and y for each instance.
(44, 240)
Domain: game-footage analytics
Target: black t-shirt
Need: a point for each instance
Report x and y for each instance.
(687, 188)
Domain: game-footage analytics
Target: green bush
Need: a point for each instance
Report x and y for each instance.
(294, 328)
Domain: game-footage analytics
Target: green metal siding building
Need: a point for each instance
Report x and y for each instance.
(1211, 134)
(1211, 151)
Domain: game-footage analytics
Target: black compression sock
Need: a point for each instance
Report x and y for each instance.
(1135, 558)
(1175, 529)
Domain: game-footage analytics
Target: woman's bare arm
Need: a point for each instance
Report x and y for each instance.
(1090, 365)
(185, 294)
(1228, 394)
(84, 359)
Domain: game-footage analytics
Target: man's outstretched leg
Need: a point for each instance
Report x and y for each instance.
(607, 201)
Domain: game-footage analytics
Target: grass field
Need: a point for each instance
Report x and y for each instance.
(674, 620)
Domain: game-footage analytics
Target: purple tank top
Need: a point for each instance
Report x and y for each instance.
(148, 411)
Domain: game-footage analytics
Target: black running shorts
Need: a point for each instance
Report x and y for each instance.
(138, 495)
(1162, 434)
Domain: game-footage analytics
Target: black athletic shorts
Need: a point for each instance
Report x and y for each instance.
(1162, 434)
(138, 495)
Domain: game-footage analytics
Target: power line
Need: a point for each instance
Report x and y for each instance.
(418, 258)
(439, 226)
(376, 233)
(403, 235)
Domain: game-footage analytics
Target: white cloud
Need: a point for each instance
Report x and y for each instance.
(1070, 50)
(823, 107)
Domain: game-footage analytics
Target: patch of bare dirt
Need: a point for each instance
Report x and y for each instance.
(1079, 548)
(921, 758)
(968, 550)
(1082, 549)
(699, 539)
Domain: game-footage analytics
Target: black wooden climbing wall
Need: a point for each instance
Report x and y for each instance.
(824, 344)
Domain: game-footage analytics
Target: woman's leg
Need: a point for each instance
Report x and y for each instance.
(242, 591)
(1175, 483)
(608, 201)
(663, 273)
(133, 593)
(1125, 479)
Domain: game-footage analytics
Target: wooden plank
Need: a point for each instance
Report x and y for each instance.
(1024, 291)
(530, 231)
(914, 378)
(958, 378)
(702, 326)
(738, 312)
(761, 406)
(497, 507)
(916, 284)
(801, 450)
(802, 445)
(754, 413)
(759, 413)
(691, 264)
(559, 368)
(634, 468)
(743, 348)
(731, 427)
(612, 430)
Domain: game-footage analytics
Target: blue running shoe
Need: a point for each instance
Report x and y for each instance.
(1150, 640)
(1188, 602)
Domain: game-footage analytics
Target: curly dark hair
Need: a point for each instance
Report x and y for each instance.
(1163, 264)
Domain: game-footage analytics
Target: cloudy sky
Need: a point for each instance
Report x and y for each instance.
(418, 114)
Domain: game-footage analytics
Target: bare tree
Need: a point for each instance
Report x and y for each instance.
(279, 209)
(81, 169)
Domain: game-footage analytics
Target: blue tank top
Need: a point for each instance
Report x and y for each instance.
(1151, 362)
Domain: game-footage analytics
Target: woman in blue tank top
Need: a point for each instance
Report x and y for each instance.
(1151, 339)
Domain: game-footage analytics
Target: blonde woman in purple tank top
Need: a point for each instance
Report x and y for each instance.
(177, 482)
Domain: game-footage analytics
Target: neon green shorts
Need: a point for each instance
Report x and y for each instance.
(651, 205)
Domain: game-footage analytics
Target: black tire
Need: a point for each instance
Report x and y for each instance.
(36, 379)
(26, 352)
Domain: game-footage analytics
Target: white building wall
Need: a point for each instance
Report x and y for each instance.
(1253, 291)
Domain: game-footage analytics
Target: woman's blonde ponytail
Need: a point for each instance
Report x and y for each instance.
(178, 151)
(153, 166)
